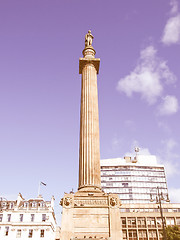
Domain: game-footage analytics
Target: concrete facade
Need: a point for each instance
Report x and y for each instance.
(133, 179)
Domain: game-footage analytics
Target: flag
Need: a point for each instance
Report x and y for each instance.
(43, 183)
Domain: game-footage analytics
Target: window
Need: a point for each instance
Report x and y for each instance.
(165, 210)
(30, 233)
(178, 221)
(123, 222)
(124, 235)
(141, 222)
(18, 234)
(142, 235)
(132, 235)
(25, 204)
(6, 231)
(122, 210)
(130, 196)
(170, 221)
(160, 235)
(125, 184)
(43, 217)
(152, 235)
(9, 217)
(42, 233)
(1, 217)
(159, 222)
(11, 205)
(32, 217)
(131, 222)
(109, 184)
(151, 222)
(21, 217)
(34, 204)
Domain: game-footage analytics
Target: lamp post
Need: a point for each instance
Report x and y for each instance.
(159, 199)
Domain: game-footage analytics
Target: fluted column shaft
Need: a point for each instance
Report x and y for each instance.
(89, 151)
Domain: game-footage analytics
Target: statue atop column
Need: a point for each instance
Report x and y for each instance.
(88, 39)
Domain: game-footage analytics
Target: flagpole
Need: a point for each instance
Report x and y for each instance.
(39, 188)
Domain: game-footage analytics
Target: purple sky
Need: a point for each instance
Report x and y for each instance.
(40, 44)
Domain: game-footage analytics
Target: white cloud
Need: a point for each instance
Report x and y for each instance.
(167, 156)
(174, 195)
(171, 168)
(142, 151)
(174, 6)
(171, 33)
(168, 106)
(147, 77)
(130, 125)
(116, 143)
(164, 127)
(169, 144)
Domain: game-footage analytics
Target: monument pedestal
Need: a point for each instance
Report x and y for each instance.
(91, 215)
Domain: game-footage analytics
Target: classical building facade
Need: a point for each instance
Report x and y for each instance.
(133, 179)
(27, 219)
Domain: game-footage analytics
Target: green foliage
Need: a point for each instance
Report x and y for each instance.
(173, 233)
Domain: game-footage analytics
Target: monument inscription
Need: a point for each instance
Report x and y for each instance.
(88, 202)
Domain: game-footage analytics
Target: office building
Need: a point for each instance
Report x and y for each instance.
(144, 222)
(133, 179)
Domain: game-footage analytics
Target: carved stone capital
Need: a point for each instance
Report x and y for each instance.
(67, 201)
(113, 201)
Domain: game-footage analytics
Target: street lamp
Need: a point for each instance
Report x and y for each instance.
(159, 199)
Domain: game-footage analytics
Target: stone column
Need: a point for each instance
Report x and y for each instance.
(89, 152)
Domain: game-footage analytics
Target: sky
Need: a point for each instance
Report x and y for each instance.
(41, 42)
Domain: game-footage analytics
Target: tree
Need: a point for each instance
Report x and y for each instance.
(173, 233)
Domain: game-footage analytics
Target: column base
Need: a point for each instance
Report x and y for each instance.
(91, 215)
(89, 188)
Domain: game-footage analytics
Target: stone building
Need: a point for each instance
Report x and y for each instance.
(25, 219)
(133, 179)
(144, 222)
